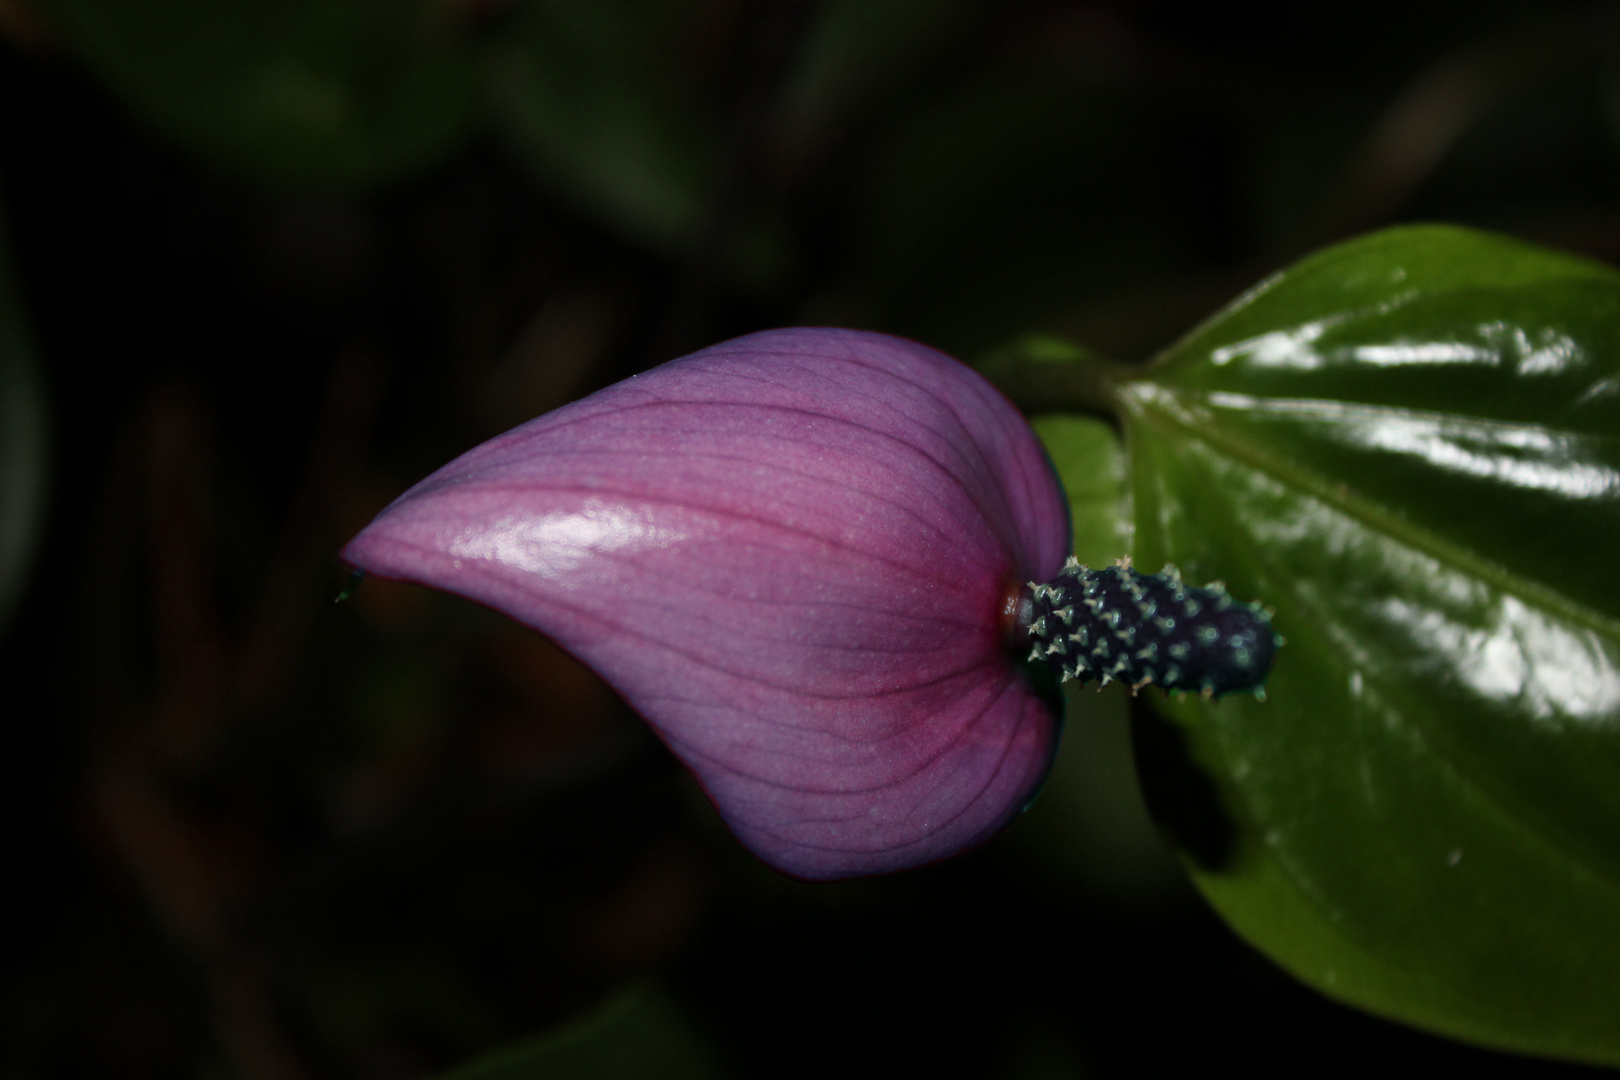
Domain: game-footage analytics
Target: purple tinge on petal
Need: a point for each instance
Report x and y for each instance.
(790, 553)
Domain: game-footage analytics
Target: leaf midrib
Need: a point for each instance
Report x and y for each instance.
(1148, 401)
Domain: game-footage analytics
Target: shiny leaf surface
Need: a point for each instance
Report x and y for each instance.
(1409, 445)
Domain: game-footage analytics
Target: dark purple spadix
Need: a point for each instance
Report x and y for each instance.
(1140, 629)
(794, 554)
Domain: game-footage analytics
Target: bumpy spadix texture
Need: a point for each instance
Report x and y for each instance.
(1149, 629)
(791, 553)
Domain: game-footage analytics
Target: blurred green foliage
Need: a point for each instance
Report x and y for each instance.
(599, 99)
(23, 448)
(639, 1033)
(348, 92)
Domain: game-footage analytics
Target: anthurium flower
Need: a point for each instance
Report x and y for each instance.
(801, 556)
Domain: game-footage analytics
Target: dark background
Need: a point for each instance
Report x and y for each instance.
(248, 833)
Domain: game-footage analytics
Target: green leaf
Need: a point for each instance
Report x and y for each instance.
(22, 445)
(325, 92)
(1088, 456)
(1409, 445)
(636, 1034)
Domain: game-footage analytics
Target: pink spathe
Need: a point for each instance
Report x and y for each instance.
(791, 554)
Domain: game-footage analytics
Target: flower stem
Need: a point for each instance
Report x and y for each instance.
(1042, 374)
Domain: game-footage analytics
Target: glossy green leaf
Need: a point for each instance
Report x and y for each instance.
(22, 445)
(1409, 445)
(637, 1034)
(325, 92)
